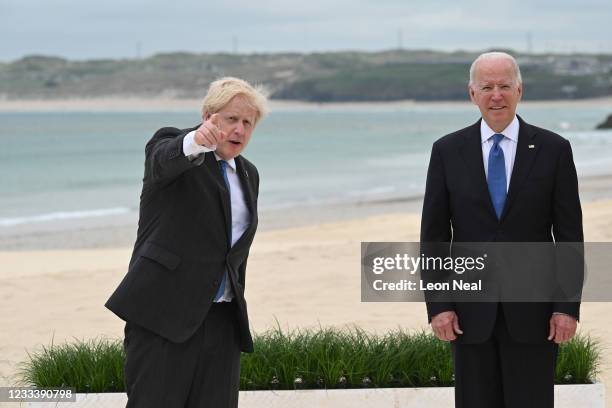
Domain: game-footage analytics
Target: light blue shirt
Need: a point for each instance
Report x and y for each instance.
(508, 145)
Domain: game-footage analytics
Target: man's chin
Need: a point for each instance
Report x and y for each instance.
(498, 122)
(228, 153)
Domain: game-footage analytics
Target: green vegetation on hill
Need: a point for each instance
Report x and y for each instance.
(388, 82)
(318, 77)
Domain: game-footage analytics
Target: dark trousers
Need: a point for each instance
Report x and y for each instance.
(501, 373)
(202, 372)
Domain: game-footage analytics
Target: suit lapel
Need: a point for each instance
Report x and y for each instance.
(526, 152)
(245, 182)
(472, 155)
(213, 167)
(249, 198)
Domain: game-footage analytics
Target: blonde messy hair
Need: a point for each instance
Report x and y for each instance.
(221, 92)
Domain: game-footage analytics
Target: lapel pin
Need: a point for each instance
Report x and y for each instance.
(531, 146)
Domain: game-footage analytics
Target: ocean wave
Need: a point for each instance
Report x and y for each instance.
(62, 215)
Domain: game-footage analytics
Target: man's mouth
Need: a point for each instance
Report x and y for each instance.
(497, 107)
(235, 142)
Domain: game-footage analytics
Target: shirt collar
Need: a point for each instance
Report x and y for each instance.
(230, 162)
(511, 132)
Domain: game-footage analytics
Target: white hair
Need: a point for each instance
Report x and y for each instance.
(499, 56)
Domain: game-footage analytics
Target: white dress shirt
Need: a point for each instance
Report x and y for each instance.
(241, 217)
(508, 145)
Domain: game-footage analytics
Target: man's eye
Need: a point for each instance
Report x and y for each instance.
(486, 88)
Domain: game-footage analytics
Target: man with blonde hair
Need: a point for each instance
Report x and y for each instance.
(502, 180)
(183, 295)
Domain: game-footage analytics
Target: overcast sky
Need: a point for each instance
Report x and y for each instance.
(85, 29)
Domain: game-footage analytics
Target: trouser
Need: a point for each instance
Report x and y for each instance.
(203, 371)
(501, 373)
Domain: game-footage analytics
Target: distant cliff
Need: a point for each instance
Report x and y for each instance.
(317, 77)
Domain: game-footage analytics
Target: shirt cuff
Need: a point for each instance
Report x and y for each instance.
(191, 149)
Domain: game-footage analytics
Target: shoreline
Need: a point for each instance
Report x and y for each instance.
(119, 231)
(143, 104)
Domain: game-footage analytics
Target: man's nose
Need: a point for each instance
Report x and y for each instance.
(497, 93)
(239, 130)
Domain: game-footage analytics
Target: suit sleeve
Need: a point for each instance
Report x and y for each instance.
(243, 266)
(568, 232)
(435, 223)
(164, 157)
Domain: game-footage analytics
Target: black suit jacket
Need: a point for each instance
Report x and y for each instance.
(542, 205)
(182, 250)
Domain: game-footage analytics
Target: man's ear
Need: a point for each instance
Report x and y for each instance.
(472, 94)
(520, 91)
(205, 116)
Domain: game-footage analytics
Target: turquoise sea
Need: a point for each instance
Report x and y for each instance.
(58, 167)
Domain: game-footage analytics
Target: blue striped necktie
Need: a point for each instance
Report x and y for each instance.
(497, 175)
(223, 164)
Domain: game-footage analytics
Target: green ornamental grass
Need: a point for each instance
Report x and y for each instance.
(324, 358)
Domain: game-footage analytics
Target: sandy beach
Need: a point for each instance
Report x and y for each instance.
(299, 277)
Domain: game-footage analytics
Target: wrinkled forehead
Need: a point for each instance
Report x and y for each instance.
(494, 71)
(241, 104)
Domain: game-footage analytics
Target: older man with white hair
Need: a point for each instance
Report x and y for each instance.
(502, 180)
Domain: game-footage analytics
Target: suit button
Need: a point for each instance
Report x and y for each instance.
(215, 283)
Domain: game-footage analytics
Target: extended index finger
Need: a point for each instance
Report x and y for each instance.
(215, 120)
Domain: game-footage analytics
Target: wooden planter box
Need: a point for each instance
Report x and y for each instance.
(566, 396)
